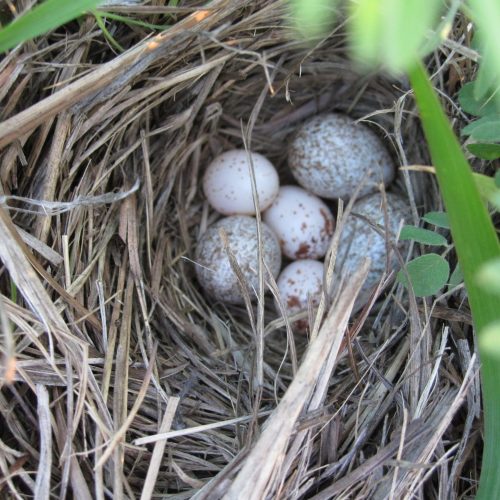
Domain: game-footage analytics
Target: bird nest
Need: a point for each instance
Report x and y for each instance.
(120, 378)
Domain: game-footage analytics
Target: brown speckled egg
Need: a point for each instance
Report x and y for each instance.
(359, 240)
(228, 187)
(213, 268)
(331, 154)
(300, 282)
(303, 223)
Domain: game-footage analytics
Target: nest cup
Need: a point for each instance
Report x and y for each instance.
(237, 78)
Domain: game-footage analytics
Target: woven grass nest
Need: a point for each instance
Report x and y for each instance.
(120, 378)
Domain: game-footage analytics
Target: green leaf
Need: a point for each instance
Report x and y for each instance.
(488, 276)
(497, 178)
(133, 22)
(101, 23)
(488, 189)
(392, 32)
(486, 129)
(456, 277)
(486, 17)
(423, 236)
(427, 273)
(13, 292)
(489, 339)
(476, 242)
(313, 18)
(474, 106)
(439, 219)
(41, 19)
(485, 151)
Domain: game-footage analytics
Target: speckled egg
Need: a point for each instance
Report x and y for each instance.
(228, 187)
(213, 268)
(331, 154)
(300, 282)
(303, 223)
(360, 240)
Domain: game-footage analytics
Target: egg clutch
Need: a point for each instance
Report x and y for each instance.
(329, 156)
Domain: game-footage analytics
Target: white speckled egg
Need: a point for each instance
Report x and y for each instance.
(303, 223)
(331, 154)
(228, 187)
(301, 282)
(359, 240)
(213, 268)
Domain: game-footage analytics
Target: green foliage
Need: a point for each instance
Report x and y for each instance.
(486, 16)
(313, 18)
(439, 219)
(102, 16)
(41, 19)
(485, 151)
(486, 130)
(488, 189)
(131, 21)
(473, 105)
(488, 276)
(381, 33)
(457, 277)
(427, 237)
(424, 236)
(469, 222)
(13, 292)
(396, 33)
(102, 24)
(476, 243)
(427, 274)
(490, 339)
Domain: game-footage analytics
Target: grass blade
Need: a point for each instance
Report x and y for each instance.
(476, 243)
(101, 23)
(131, 21)
(44, 17)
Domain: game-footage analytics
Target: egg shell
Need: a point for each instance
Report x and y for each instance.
(359, 240)
(228, 187)
(331, 155)
(213, 269)
(300, 282)
(303, 223)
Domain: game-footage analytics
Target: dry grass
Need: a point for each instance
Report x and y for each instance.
(119, 378)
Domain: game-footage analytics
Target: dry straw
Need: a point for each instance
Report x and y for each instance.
(119, 377)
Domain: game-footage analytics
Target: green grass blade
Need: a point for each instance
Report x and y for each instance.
(41, 19)
(476, 243)
(100, 22)
(131, 21)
